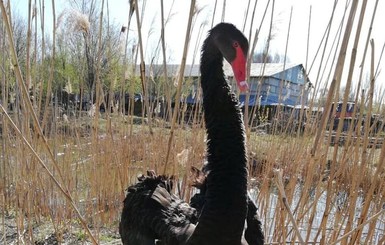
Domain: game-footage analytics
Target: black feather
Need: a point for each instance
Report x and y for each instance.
(151, 212)
(253, 231)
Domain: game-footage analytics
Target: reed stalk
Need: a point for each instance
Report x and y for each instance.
(179, 86)
(51, 72)
(251, 52)
(163, 42)
(125, 69)
(223, 11)
(143, 69)
(371, 191)
(28, 59)
(250, 57)
(326, 37)
(354, 195)
(337, 75)
(281, 188)
(215, 9)
(359, 227)
(246, 16)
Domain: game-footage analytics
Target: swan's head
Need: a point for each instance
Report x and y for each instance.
(234, 47)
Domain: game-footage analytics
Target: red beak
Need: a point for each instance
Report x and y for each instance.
(239, 69)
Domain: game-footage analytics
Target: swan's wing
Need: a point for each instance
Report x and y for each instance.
(177, 219)
(162, 196)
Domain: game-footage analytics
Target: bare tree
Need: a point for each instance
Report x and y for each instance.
(264, 57)
(82, 37)
(19, 27)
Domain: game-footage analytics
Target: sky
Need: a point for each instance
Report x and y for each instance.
(235, 12)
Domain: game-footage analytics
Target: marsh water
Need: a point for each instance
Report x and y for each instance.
(338, 207)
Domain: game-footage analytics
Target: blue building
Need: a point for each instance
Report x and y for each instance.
(277, 83)
(270, 83)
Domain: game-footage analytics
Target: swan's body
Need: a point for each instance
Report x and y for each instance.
(253, 232)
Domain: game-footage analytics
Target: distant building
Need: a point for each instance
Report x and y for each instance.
(278, 83)
(270, 83)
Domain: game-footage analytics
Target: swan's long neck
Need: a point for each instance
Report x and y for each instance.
(224, 213)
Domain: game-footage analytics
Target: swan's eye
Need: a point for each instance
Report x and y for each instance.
(235, 44)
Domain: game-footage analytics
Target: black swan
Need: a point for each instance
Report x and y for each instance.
(150, 207)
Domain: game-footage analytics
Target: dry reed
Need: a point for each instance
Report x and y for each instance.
(326, 194)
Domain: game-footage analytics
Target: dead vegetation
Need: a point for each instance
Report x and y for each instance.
(63, 178)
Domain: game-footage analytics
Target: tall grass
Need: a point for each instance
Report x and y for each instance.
(308, 190)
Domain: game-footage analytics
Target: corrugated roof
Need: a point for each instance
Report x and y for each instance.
(256, 70)
(261, 69)
(269, 69)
